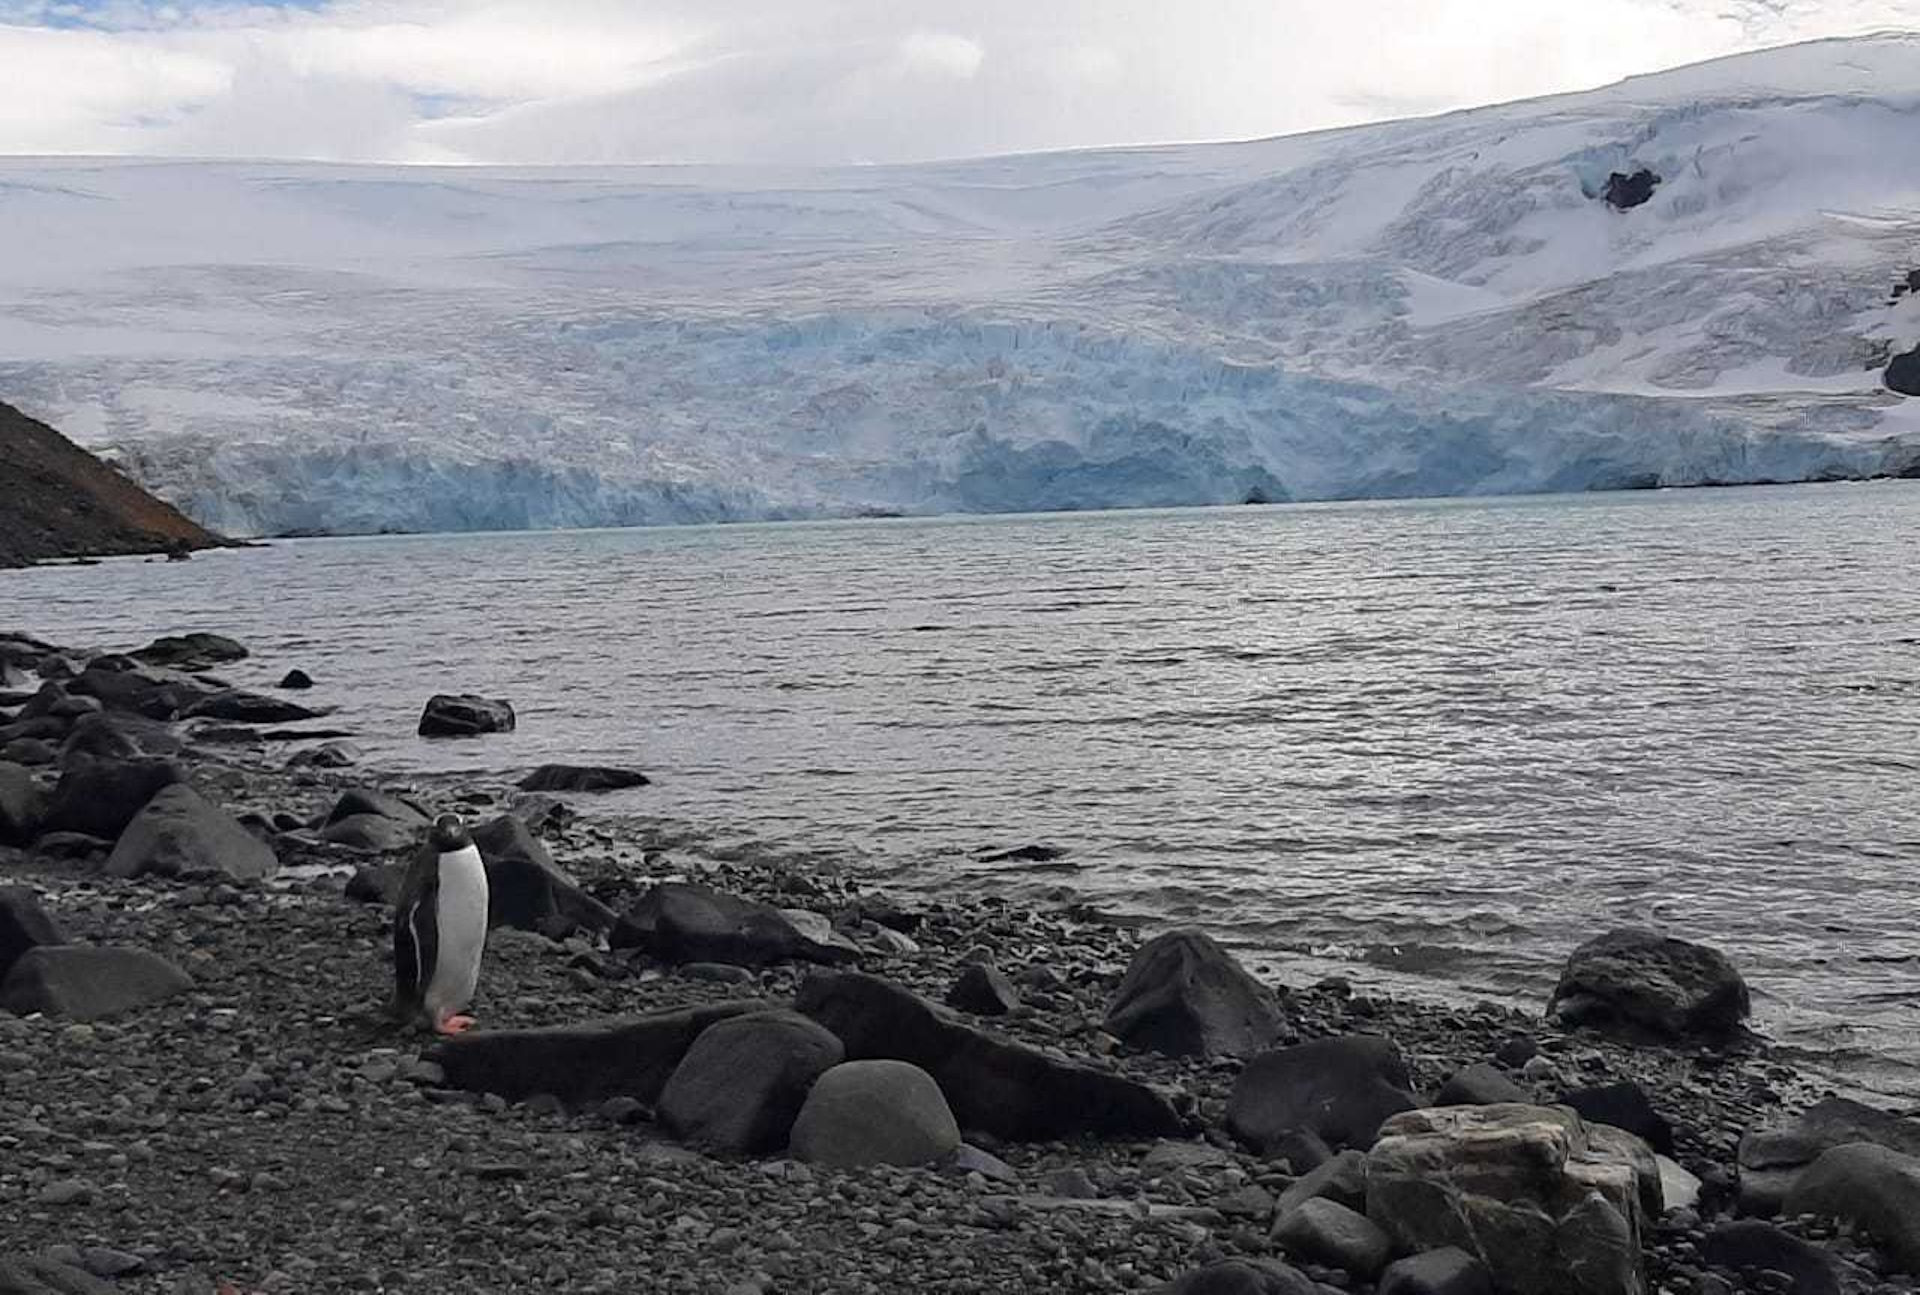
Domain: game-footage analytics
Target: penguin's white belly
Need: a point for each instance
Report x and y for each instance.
(461, 917)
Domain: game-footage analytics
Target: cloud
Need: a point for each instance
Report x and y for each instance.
(529, 81)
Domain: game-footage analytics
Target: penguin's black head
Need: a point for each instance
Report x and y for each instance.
(450, 834)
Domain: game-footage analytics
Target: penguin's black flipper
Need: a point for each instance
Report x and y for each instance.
(416, 934)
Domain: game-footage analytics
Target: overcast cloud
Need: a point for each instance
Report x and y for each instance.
(533, 81)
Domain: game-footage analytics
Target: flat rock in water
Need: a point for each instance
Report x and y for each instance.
(24, 925)
(180, 835)
(629, 1056)
(1871, 1187)
(742, 1083)
(1185, 996)
(465, 715)
(1009, 1090)
(875, 1112)
(84, 983)
(581, 778)
(1339, 1088)
(237, 706)
(679, 921)
(1642, 984)
(100, 797)
(296, 681)
(192, 651)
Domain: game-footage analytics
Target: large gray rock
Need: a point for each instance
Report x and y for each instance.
(373, 833)
(114, 736)
(1342, 1180)
(24, 925)
(526, 890)
(1871, 1187)
(22, 804)
(688, 922)
(1184, 995)
(357, 801)
(629, 1056)
(1527, 1190)
(742, 1083)
(464, 715)
(100, 797)
(1340, 1089)
(1327, 1232)
(1771, 1160)
(84, 983)
(121, 684)
(1642, 984)
(180, 835)
(1007, 1089)
(875, 1113)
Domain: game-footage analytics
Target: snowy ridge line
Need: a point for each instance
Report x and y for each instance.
(1449, 305)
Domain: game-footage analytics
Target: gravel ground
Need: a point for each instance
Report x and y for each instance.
(271, 1130)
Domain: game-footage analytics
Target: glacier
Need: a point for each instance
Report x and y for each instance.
(1438, 306)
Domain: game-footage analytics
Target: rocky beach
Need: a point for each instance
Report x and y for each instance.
(706, 1069)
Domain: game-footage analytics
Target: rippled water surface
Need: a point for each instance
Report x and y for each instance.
(1431, 744)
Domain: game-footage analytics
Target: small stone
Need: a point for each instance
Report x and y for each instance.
(66, 1191)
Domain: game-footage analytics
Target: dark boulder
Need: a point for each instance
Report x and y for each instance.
(1869, 1187)
(1903, 373)
(1340, 1088)
(84, 983)
(1447, 1271)
(583, 778)
(30, 751)
(1626, 190)
(1341, 1178)
(1642, 984)
(1009, 1090)
(1771, 1160)
(178, 834)
(875, 1112)
(23, 925)
(374, 833)
(689, 922)
(192, 651)
(983, 991)
(1242, 1277)
(1184, 995)
(1329, 1233)
(23, 803)
(296, 681)
(100, 797)
(629, 1056)
(526, 890)
(1751, 1246)
(465, 715)
(1480, 1085)
(376, 883)
(1624, 1106)
(328, 755)
(742, 1083)
(122, 686)
(237, 706)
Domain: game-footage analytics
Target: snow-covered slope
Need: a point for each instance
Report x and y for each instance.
(1445, 305)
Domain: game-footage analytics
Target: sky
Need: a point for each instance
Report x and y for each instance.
(814, 81)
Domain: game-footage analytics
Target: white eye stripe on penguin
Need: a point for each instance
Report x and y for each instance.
(440, 929)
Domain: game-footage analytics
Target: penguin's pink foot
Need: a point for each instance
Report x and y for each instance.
(452, 1025)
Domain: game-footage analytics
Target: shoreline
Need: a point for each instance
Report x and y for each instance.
(268, 1128)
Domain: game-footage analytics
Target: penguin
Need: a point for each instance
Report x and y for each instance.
(440, 930)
